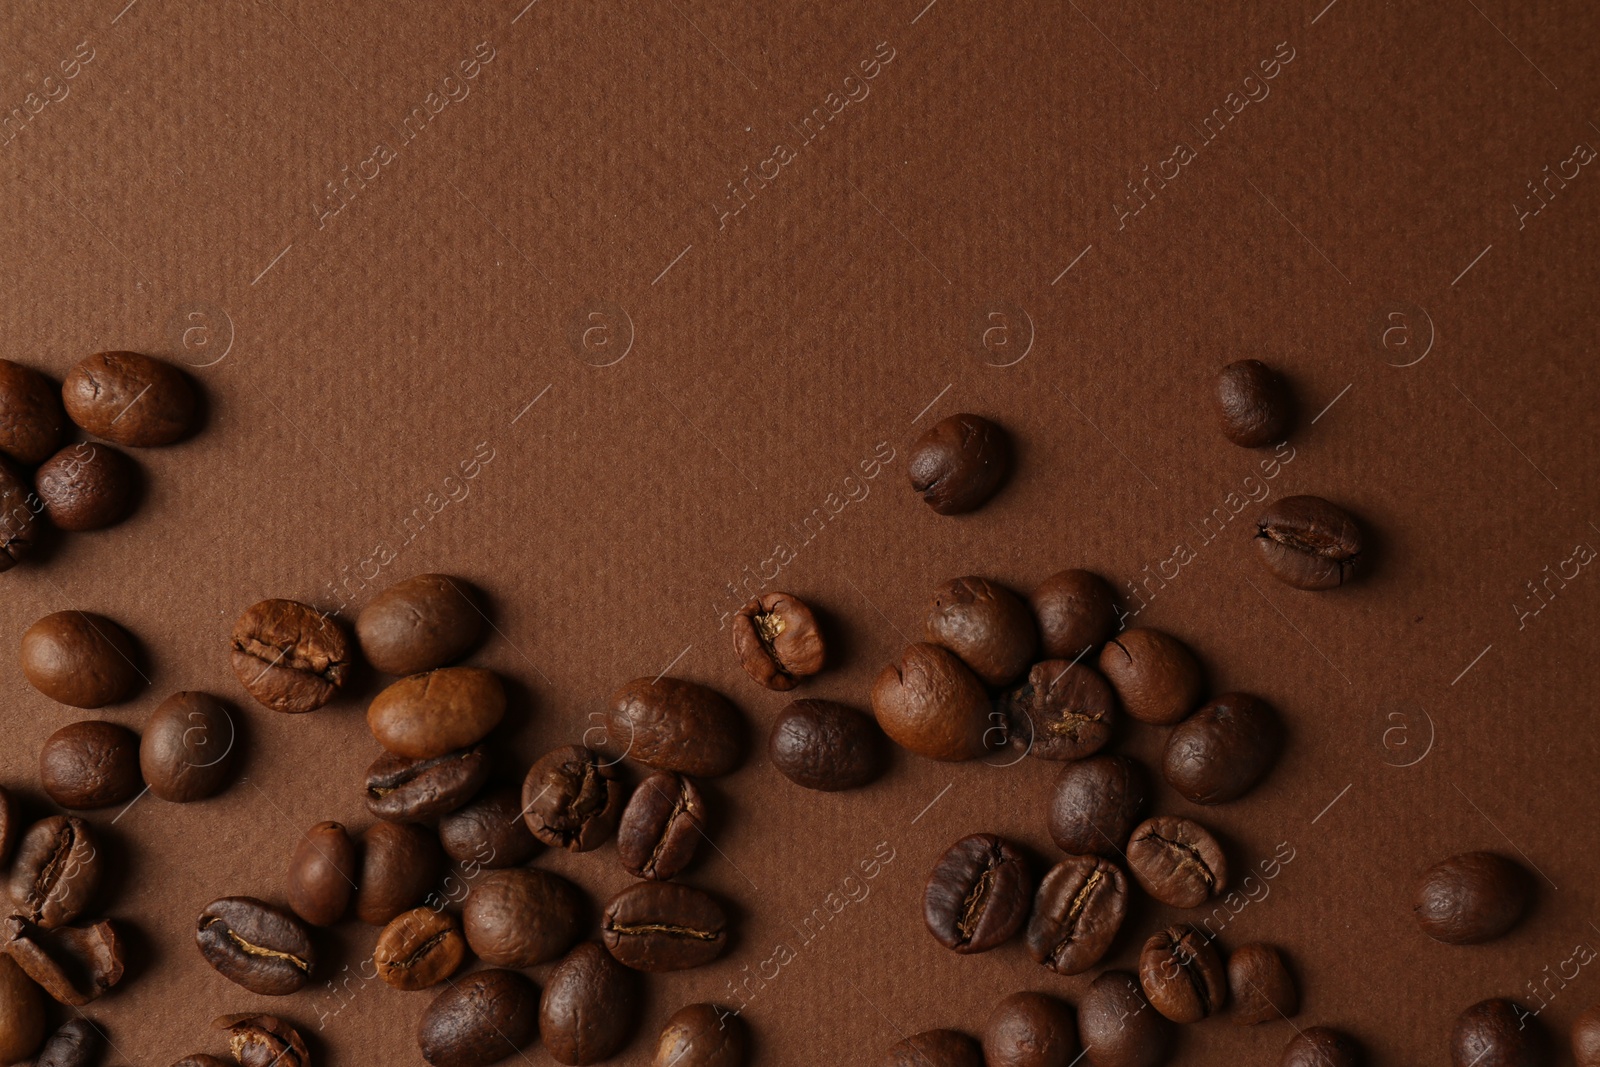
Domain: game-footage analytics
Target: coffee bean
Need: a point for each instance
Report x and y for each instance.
(1076, 612)
(419, 624)
(419, 948)
(1118, 1026)
(90, 764)
(1471, 898)
(400, 864)
(56, 872)
(201, 1059)
(977, 895)
(10, 825)
(959, 463)
(19, 514)
(87, 487)
(1319, 1046)
(1182, 975)
(490, 832)
(1030, 1030)
(78, 659)
(673, 725)
(1254, 404)
(702, 1035)
(74, 964)
(186, 752)
(661, 827)
(1586, 1038)
(664, 926)
(322, 874)
(523, 917)
(264, 1041)
(255, 945)
(21, 1013)
(1260, 985)
(1498, 1033)
(1221, 751)
(1155, 675)
(32, 422)
(1096, 804)
(1176, 861)
(415, 790)
(486, 1017)
(75, 1044)
(818, 744)
(130, 399)
(1077, 912)
(986, 625)
(1061, 711)
(778, 641)
(935, 1048)
(1309, 543)
(571, 799)
(930, 704)
(290, 657)
(590, 1007)
(430, 714)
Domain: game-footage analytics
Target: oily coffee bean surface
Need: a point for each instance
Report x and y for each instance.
(1308, 543)
(322, 874)
(935, 1048)
(590, 1007)
(1095, 805)
(130, 399)
(673, 725)
(56, 872)
(778, 641)
(1471, 898)
(90, 764)
(959, 463)
(1220, 752)
(290, 657)
(1254, 404)
(1320, 1046)
(977, 895)
(986, 625)
(702, 1035)
(1498, 1033)
(74, 964)
(75, 1044)
(822, 745)
(1181, 974)
(661, 827)
(87, 487)
(484, 1018)
(1177, 861)
(430, 714)
(490, 832)
(1586, 1038)
(419, 948)
(400, 864)
(1061, 711)
(1155, 675)
(572, 799)
(21, 1013)
(523, 917)
(19, 512)
(186, 752)
(32, 422)
(264, 1041)
(1118, 1026)
(78, 659)
(419, 624)
(415, 790)
(255, 945)
(664, 926)
(1076, 913)
(1260, 985)
(932, 705)
(1030, 1030)
(1076, 612)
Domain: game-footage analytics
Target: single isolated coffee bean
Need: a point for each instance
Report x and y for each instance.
(1181, 974)
(778, 641)
(935, 1048)
(1118, 1026)
(977, 895)
(590, 1007)
(1309, 543)
(264, 1041)
(484, 1018)
(1076, 913)
(419, 948)
(430, 714)
(87, 487)
(90, 764)
(1254, 404)
(290, 657)
(1220, 752)
(400, 864)
(1498, 1033)
(1076, 612)
(1471, 898)
(74, 964)
(255, 945)
(76, 1043)
(1177, 861)
(490, 832)
(986, 625)
(186, 752)
(322, 874)
(1030, 1030)
(419, 624)
(416, 790)
(21, 1013)
(19, 517)
(661, 827)
(523, 917)
(673, 725)
(1155, 675)
(1586, 1038)
(130, 399)
(1260, 985)
(1061, 711)
(822, 745)
(78, 659)
(930, 704)
(57, 871)
(1096, 804)
(664, 926)
(1320, 1046)
(702, 1035)
(959, 463)
(571, 799)
(32, 422)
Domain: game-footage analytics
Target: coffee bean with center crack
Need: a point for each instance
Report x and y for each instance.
(977, 895)
(486, 1017)
(87, 487)
(571, 799)
(57, 871)
(1061, 711)
(400, 864)
(1253, 403)
(19, 517)
(419, 948)
(1181, 974)
(32, 422)
(322, 874)
(74, 964)
(1076, 612)
(823, 745)
(419, 624)
(673, 725)
(1030, 1030)
(1076, 913)
(130, 398)
(778, 641)
(1471, 898)
(959, 463)
(255, 945)
(1309, 543)
(931, 704)
(1260, 985)
(986, 625)
(290, 657)
(1096, 804)
(1221, 751)
(490, 832)
(1177, 861)
(1155, 675)
(90, 764)
(935, 1048)
(589, 1011)
(79, 659)
(1320, 1046)
(1118, 1026)
(664, 926)
(661, 827)
(75, 1044)
(702, 1035)
(415, 790)
(21, 1013)
(264, 1041)
(523, 917)
(188, 748)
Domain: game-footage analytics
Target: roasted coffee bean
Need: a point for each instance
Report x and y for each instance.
(1221, 751)
(90, 764)
(430, 714)
(571, 799)
(19, 517)
(1254, 404)
(1260, 985)
(290, 657)
(1471, 898)
(21, 1013)
(986, 625)
(778, 641)
(75, 1044)
(10, 825)
(87, 487)
(523, 917)
(486, 1017)
(1155, 675)
(664, 926)
(1177, 861)
(1309, 543)
(74, 964)
(255, 945)
(1319, 1046)
(1181, 974)
(818, 744)
(78, 659)
(56, 872)
(186, 752)
(1077, 912)
(935, 1048)
(1076, 612)
(590, 1007)
(977, 895)
(930, 704)
(702, 1035)
(264, 1041)
(1586, 1038)
(1096, 804)
(1030, 1030)
(414, 790)
(322, 874)
(419, 624)
(419, 948)
(673, 725)
(661, 827)
(130, 399)
(1118, 1026)
(1061, 711)
(32, 422)
(959, 463)
(1498, 1033)
(400, 864)
(490, 832)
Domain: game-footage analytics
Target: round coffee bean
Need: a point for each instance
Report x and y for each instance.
(1586, 1038)
(78, 659)
(430, 714)
(778, 641)
(264, 1041)
(419, 948)
(290, 657)
(818, 744)
(1077, 912)
(130, 399)
(1182, 975)
(977, 895)
(1155, 675)
(419, 624)
(76, 1043)
(1118, 1026)
(1471, 898)
(255, 945)
(1319, 1046)
(90, 764)
(664, 926)
(959, 463)
(87, 487)
(484, 1018)
(1221, 751)
(415, 790)
(935, 1048)
(32, 422)
(590, 1007)
(19, 514)
(322, 874)
(986, 625)
(21, 1013)
(1096, 804)
(661, 827)
(1253, 404)
(10, 825)
(1176, 861)
(1260, 985)
(186, 752)
(1498, 1033)
(522, 917)
(490, 832)
(400, 864)
(74, 964)
(1030, 1030)
(57, 871)
(1309, 543)
(1076, 612)
(673, 725)
(571, 799)
(1061, 711)
(702, 1035)
(930, 704)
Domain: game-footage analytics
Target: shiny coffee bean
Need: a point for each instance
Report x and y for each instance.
(400, 864)
(1498, 1033)
(90, 764)
(19, 517)
(419, 624)
(523, 917)
(10, 825)
(255, 945)
(187, 750)
(664, 926)
(822, 745)
(934, 1048)
(490, 832)
(87, 487)
(32, 422)
(322, 874)
(21, 1013)
(57, 871)
(415, 790)
(1118, 1026)
(1260, 985)
(1309, 543)
(78, 659)
(1586, 1038)
(1155, 675)
(430, 714)
(1076, 913)
(571, 799)
(1076, 612)
(486, 1017)
(986, 625)
(264, 1041)
(1177, 861)
(959, 463)
(1061, 711)
(419, 948)
(1471, 898)
(931, 704)
(1254, 404)
(702, 1035)
(778, 641)
(1319, 1046)
(673, 725)
(1030, 1030)
(977, 895)
(1181, 974)
(74, 964)
(130, 399)
(1221, 751)
(290, 657)
(75, 1044)
(1096, 804)
(661, 827)
(590, 1007)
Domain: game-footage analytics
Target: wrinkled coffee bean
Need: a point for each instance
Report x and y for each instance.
(590, 1005)
(1061, 711)
(1586, 1038)
(977, 895)
(1076, 612)
(32, 422)
(1498, 1033)
(571, 799)
(21, 1013)
(1260, 985)
(959, 463)
(1221, 751)
(523, 917)
(482, 1019)
(1177, 861)
(1118, 1026)
(130, 399)
(74, 964)
(1155, 675)
(822, 745)
(934, 1048)
(75, 1044)
(778, 641)
(264, 1041)
(1182, 975)
(673, 725)
(56, 872)
(419, 624)
(10, 825)
(661, 827)
(399, 865)
(255, 945)
(986, 625)
(490, 832)
(186, 752)
(90, 764)
(290, 657)
(87, 487)
(419, 948)
(930, 704)
(415, 790)
(1471, 898)
(322, 874)
(1309, 543)
(430, 714)
(664, 926)
(1096, 804)
(1254, 404)
(19, 517)
(78, 659)
(1030, 1030)
(1076, 913)
(702, 1035)
(1319, 1046)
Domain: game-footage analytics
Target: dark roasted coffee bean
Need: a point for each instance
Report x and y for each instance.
(959, 463)
(661, 827)
(1471, 898)
(1076, 913)
(264, 1041)
(523, 917)
(934, 1048)
(290, 657)
(1181, 974)
(421, 623)
(399, 865)
(419, 948)
(414, 790)
(430, 714)
(56, 872)
(19, 517)
(1118, 1026)
(1498, 1033)
(1177, 861)
(1061, 711)
(32, 423)
(1309, 543)
(673, 725)
(1254, 404)
(590, 1007)
(74, 964)
(21, 1013)
(1155, 675)
(1319, 1046)
(76, 1044)
(986, 625)
(1221, 751)
(1076, 612)
(1260, 985)
(78, 659)
(1586, 1038)
(818, 744)
(90, 764)
(977, 895)
(930, 704)
(702, 1035)
(571, 799)
(186, 752)
(130, 399)
(1096, 804)
(1030, 1030)
(322, 874)
(778, 641)
(255, 945)
(486, 1017)
(10, 825)
(664, 926)
(87, 487)
(490, 832)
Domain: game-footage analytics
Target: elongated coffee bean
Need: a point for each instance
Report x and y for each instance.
(673, 725)
(1077, 912)
(1177, 861)
(589, 1009)
(74, 964)
(57, 871)
(482, 1019)
(661, 827)
(663, 926)
(255, 945)
(415, 790)
(978, 894)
